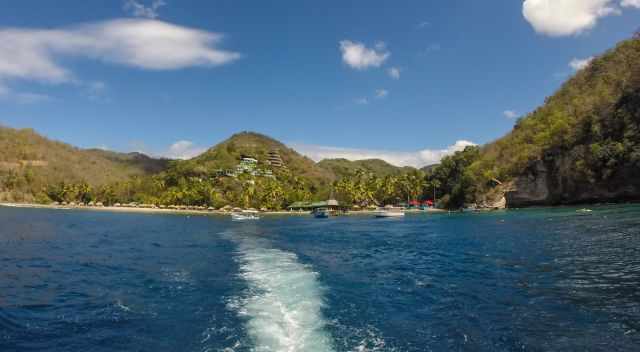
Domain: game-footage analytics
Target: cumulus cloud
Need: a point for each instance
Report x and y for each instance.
(183, 150)
(510, 114)
(631, 3)
(381, 93)
(33, 54)
(416, 158)
(359, 57)
(578, 64)
(394, 72)
(566, 17)
(138, 9)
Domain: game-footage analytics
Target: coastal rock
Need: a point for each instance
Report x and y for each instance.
(532, 188)
(555, 181)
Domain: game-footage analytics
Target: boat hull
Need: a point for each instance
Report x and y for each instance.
(389, 215)
(240, 217)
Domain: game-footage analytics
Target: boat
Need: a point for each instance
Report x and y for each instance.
(245, 215)
(389, 212)
(321, 213)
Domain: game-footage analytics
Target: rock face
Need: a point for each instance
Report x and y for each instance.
(532, 188)
(554, 181)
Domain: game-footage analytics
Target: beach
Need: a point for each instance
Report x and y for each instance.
(147, 210)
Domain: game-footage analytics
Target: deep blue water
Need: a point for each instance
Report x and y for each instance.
(530, 280)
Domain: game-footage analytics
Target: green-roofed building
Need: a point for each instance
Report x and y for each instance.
(331, 204)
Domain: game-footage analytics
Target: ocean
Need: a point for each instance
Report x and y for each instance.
(547, 279)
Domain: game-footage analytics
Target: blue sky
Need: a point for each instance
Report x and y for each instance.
(407, 81)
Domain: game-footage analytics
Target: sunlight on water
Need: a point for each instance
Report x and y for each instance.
(284, 301)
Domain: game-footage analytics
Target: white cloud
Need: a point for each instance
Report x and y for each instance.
(381, 93)
(138, 9)
(631, 3)
(32, 54)
(22, 98)
(566, 17)
(579, 64)
(183, 150)
(358, 56)
(416, 159)
(394, 72)
(510, 114)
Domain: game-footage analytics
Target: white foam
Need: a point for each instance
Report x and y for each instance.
(284, 302)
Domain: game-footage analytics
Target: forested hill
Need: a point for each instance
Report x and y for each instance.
(29, 162)
(343, 167)
(582, 145)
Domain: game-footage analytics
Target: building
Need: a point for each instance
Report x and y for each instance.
(274, 159)
(331, 204)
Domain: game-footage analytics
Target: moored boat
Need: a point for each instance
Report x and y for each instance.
(321, 213)
(389, 212)
(245, 215)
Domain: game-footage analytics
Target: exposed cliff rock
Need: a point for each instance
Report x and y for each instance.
(555, 180)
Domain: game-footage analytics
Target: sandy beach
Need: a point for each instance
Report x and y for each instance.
(186, 211)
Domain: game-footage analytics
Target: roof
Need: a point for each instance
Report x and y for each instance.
(322, 204)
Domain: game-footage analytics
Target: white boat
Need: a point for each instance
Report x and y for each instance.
(245, 215)
(389, 212)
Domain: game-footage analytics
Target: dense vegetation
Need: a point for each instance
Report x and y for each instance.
(587, 135)
(343, 167)
(29, 163)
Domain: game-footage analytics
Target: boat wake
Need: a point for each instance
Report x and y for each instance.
(283, 302)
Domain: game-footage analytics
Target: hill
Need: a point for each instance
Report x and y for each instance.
(343, 167)
(582, 145)
(226, 155)
(29, 162)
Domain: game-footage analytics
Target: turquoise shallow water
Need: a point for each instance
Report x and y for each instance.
(533, 280)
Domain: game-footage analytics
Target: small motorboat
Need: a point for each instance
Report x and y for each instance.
(321, 213)
(389, 212)
(245, 215)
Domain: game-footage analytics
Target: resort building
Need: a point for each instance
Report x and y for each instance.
(331, 204)
(274, 159)
(247, 165)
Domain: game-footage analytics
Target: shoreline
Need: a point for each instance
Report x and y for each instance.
(187, 211)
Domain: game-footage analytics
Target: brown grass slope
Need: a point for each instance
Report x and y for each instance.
(29, 162)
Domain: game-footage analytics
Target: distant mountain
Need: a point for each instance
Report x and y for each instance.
(429, 168)
(344, 167)
(29, 162)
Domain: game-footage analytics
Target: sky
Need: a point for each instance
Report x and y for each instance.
(406, 81)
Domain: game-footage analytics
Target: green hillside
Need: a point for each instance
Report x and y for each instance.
(226, 155)
(582, 145)
(343, 167)
(29, 162)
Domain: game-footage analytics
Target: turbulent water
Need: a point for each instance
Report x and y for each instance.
(536, 280)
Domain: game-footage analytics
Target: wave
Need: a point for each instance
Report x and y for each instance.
(283, 303)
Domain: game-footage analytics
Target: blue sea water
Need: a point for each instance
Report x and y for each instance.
(528, 280)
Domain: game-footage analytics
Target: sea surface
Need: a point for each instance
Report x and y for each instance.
(525, 280)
